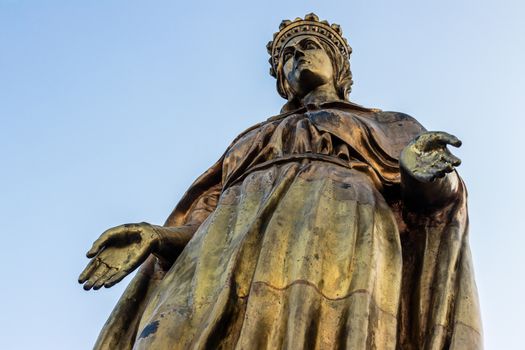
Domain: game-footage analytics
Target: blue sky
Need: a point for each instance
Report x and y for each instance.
(109, 110)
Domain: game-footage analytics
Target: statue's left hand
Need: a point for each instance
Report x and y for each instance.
(427, 157)
(116, 253)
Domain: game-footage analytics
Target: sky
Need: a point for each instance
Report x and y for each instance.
(110, 109)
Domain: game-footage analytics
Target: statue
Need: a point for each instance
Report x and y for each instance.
(328, 226)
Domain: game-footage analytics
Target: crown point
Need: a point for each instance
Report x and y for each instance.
(311, 17)
(284, 23)
(337, 28)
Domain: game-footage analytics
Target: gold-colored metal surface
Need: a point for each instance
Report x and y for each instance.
(329, 226)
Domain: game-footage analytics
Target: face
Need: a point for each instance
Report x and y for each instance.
(306, 64)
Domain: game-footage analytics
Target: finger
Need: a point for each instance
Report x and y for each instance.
(116, 278)
(442, 168)
(101, 271)
(106, 237)
(93, 264)
(442, 137)
(424, 176)
(448, 168)
(100, 282)
(439, 138)
(452, 159)
(440, 174)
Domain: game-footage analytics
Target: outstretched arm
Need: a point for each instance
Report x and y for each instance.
(121, 249)
(427, 167)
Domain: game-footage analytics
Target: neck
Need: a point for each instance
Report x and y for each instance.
(321, 94)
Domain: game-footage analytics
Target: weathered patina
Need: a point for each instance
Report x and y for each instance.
(328, 226)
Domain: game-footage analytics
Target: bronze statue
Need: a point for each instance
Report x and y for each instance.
(328, 226)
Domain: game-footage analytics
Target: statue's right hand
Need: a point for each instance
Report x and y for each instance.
(116, 253)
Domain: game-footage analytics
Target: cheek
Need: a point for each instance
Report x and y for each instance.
(287, 70)
(325, 64)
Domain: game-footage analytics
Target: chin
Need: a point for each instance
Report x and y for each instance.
(311, 77)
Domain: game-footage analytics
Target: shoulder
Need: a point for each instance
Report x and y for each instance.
(399, 128)
(392, 117)
(398, 121)
(385, 118)
(392, 130)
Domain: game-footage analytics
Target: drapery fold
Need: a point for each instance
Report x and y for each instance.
(437, 306)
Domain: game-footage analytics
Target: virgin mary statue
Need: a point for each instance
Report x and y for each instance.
(328, 226)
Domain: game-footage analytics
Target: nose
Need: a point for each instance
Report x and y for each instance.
(298, 53)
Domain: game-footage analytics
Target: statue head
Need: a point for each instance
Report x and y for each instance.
(306, 53)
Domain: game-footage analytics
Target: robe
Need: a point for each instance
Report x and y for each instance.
(304, 242)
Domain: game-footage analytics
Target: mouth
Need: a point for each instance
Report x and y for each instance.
(301, 62)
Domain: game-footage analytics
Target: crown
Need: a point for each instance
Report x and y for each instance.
(310, 25)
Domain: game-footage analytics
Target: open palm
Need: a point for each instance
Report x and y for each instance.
(118, 252)
(428, 158)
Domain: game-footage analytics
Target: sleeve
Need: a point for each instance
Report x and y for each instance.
(439, 303)
(196, 205)
(200, 200)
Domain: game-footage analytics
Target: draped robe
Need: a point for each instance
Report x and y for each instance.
(304, 242)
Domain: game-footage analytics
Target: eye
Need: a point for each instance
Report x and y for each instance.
(287, 55)
(310, 45)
